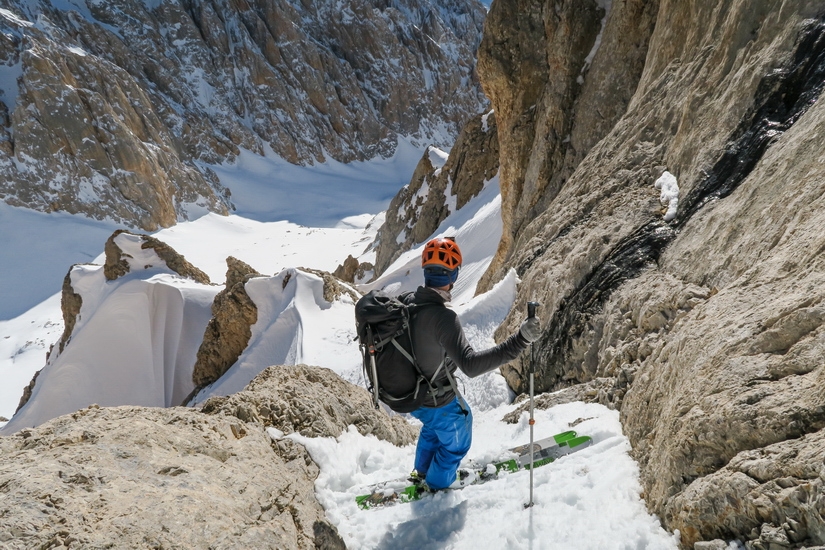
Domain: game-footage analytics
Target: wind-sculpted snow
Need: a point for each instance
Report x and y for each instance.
(295, 324)
(134, 344)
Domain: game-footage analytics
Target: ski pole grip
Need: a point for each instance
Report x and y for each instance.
(531, 309)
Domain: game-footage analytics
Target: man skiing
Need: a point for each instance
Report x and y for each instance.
(440, 348)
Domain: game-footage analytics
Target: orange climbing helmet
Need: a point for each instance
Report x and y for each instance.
(442, 252)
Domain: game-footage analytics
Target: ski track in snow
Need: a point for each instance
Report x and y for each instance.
(589, 500)
(582, 501)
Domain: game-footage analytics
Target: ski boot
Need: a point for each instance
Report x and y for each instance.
(464, 477)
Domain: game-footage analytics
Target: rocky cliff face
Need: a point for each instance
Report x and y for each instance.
(111, 109)
(440, 185)
(136, 477)
(559, 75)
(705, 329)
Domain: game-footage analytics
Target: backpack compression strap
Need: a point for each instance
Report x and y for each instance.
(453, 386)
(435, 391)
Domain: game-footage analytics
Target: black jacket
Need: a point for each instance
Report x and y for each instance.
(436, 331)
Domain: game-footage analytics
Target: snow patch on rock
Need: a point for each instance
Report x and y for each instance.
(669, 195)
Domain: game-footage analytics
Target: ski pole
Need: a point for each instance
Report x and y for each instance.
(531, 312)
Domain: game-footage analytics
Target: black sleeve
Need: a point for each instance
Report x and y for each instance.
(473, 363)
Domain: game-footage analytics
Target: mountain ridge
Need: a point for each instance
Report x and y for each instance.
(118, 108)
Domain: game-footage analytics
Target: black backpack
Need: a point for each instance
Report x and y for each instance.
(393, 375)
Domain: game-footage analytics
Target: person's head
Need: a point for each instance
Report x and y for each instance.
(441, 260)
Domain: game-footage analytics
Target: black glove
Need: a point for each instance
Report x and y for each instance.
(530, 329)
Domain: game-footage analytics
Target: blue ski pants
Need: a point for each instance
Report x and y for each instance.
(444, 440)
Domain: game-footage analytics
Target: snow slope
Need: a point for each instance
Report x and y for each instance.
(585, 501)
(477, 229)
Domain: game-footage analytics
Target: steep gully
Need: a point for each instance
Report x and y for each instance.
(782, 97)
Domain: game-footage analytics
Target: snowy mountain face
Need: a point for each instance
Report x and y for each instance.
(693, 309)
(441, 185)
(116, 109)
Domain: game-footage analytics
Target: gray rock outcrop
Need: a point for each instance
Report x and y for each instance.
(312, 401)
(113, 109)
(119, 261)
(178, 477)
(706, 330)
(352, 271)
(334, 288)
(559, 75)
(70, 304)
(135, 477)
(84, 130)
(772, 493)
(229, 329)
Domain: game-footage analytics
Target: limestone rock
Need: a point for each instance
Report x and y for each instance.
(775, 491)
(70, 304)
(709, 325)
(229, 329)
(312, 401)
(559, 75)
(595, 391)
(136, 477)
(352, 271)
(114, 110)
(27, 393)
(126, 251)
(84, 143)
(346, 271)
(439, 188)
(753, 377)
(334, 288)
(616, 341)
(407, 209)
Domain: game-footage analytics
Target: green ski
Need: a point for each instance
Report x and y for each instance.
(546, 450)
